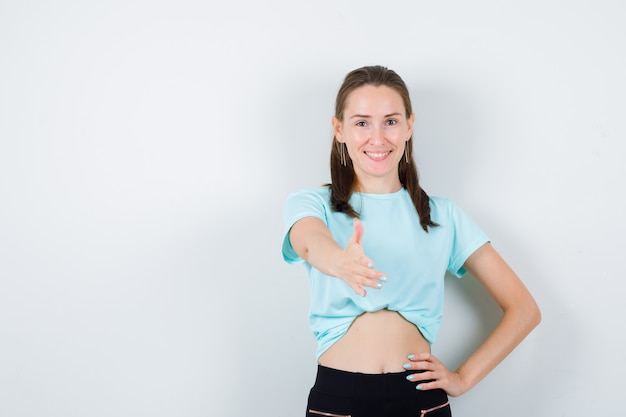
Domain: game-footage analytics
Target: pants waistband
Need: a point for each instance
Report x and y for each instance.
(359, 385)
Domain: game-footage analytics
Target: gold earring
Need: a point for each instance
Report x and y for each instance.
(343, 154)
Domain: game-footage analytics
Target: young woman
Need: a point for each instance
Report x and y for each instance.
(376, 248)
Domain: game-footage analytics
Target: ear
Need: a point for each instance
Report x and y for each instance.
(411, 121)
(337, 129)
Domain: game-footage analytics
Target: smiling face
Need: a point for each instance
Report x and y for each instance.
(375, 129)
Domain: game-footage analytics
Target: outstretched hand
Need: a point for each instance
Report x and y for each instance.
(355, 268)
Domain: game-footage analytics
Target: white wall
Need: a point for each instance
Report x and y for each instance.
(146, 148)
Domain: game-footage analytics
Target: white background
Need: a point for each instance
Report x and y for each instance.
(146, 148)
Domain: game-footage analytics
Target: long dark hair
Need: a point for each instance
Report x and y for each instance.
(343, 177)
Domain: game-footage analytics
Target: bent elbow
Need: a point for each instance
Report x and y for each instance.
(537, 315)
(527, 314)
(533, 315)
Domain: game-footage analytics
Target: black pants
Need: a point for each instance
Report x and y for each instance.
(346, 394)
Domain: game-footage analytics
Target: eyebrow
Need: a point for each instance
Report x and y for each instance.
(365, 116)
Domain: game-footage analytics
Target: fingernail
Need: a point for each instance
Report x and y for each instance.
(411, 356)
(383, 279)
(407, 366)
(410, 377)
(369, 265)
(379, 285)
(418, 387)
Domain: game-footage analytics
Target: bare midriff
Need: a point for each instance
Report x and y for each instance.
(375, 343)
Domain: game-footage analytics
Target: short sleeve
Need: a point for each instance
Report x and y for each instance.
(467, 238)
(301, 204)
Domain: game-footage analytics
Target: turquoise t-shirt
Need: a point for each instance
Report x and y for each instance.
(415, 262)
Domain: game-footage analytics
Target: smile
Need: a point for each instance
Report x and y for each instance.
(377, 155)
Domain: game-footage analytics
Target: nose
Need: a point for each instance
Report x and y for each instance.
(378, 135)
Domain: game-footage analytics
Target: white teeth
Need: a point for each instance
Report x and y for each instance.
(377, 154)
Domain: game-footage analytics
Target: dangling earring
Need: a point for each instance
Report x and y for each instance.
(343, 153)
(406, 153)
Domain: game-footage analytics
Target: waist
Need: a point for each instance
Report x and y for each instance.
(375, 343)
(368, 386)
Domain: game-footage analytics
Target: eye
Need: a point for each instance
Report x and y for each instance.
(392, 122)
(361, 123)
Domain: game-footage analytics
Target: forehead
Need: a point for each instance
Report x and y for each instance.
(372, 100)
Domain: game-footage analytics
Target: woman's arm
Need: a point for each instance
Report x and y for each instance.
(312, 240)
(521, 315)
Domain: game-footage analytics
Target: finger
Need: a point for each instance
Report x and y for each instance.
(358, 287)
(426, 369)
(422, 377)
(423, 357)
(358, 231)
(359, 290)
(372, 283)
(419, 366)
(425, 386)
(360, 278)
(367, 272)
(367, 262)
(420, 357)
(369, 277)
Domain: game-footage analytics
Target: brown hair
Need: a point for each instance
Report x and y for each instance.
(343, 177)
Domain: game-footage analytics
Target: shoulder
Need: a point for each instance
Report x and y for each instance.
(440, 205)
(444, 210)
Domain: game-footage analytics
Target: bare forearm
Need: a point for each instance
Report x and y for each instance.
(312, 240)
(324, 254)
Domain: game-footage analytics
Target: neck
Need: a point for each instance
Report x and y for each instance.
(378, 186)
